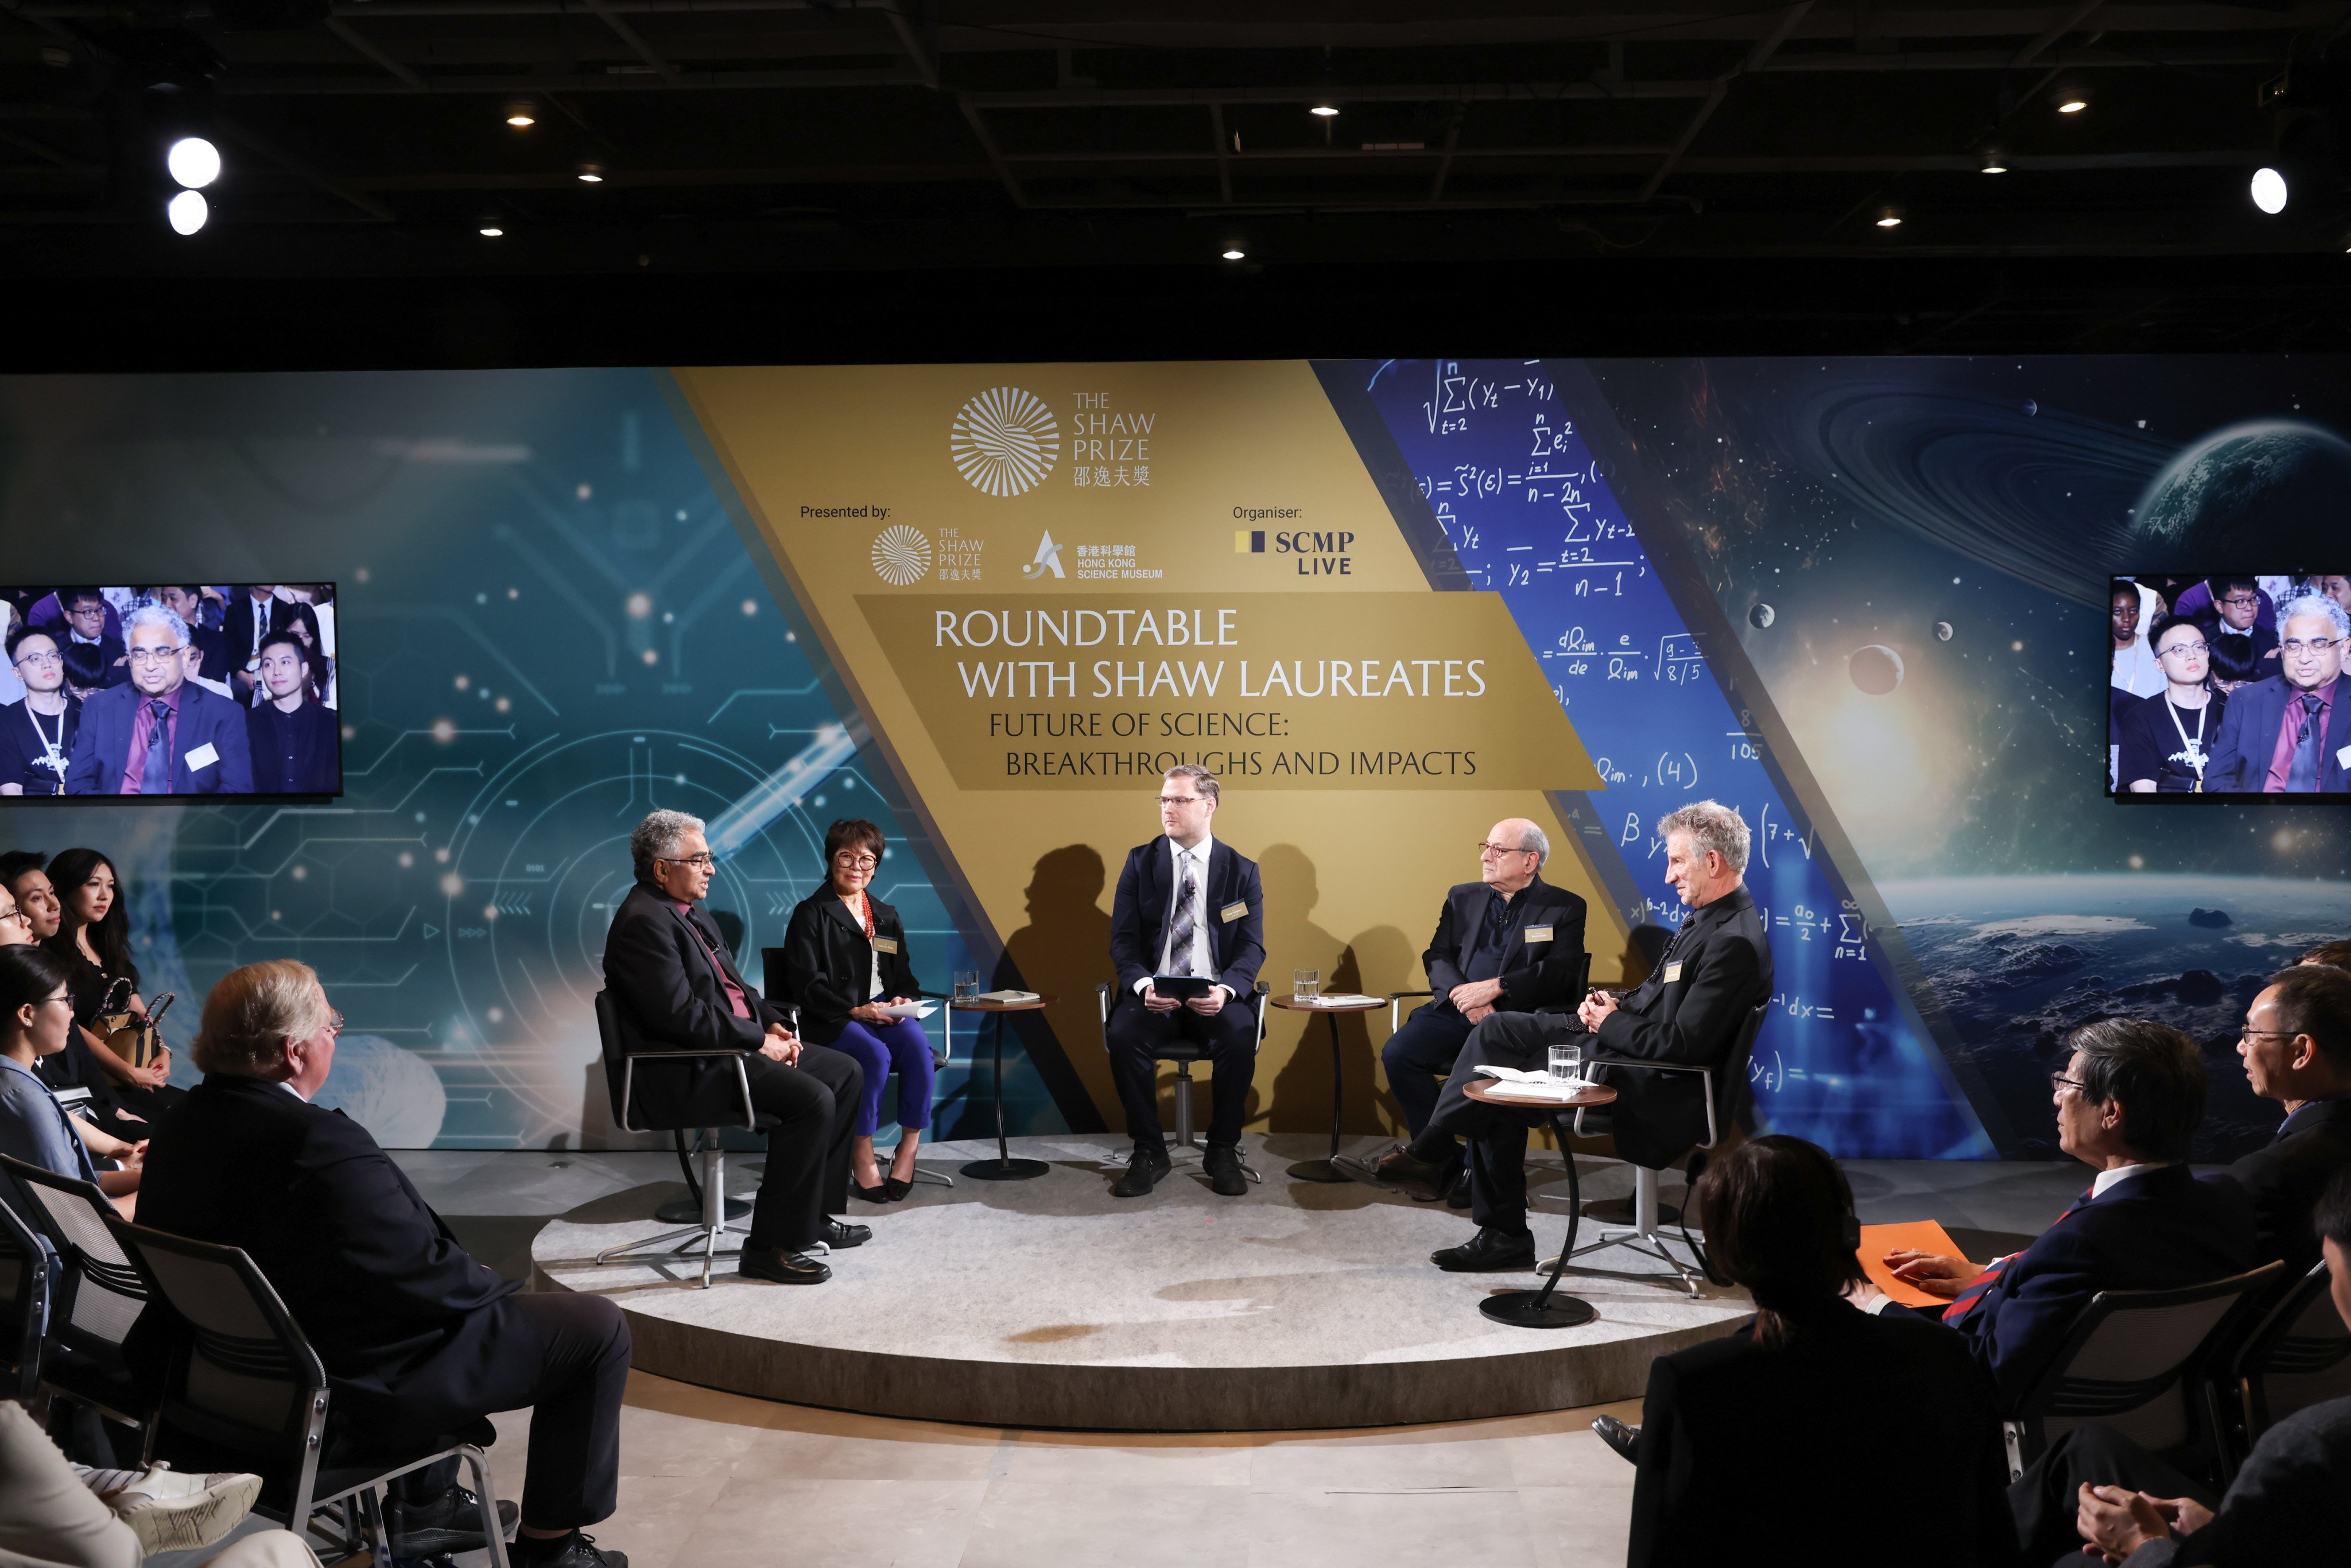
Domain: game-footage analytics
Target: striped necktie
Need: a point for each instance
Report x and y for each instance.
(1180, 940)
(1964, 1301)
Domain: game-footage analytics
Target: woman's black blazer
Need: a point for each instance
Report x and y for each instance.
(828, 963)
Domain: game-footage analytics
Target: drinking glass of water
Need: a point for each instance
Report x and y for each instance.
(1566, 1061)
(967, 984)
(1305, 985)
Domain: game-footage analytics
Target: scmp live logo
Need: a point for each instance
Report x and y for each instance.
(1312, 552)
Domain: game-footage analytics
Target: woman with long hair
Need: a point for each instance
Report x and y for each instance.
(35, 1021)
(93, 939)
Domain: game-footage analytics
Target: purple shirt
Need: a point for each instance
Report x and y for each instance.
(142, 734)
(735, 996)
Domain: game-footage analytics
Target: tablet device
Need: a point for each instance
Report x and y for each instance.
(1182, 987)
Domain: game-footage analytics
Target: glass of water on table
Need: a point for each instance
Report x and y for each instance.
(1566, 1061)
(1305, 985)
(967, 984)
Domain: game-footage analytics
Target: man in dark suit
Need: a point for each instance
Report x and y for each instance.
(1189, 906)
(2296, 1048)
(419, 1341)
(1508, 943)
(162, 734)
(86, 615)
(2128, 1102)
(676, 983)
(2287, 1504)
(2287, 734)
(2242, 650)
(251, 614)
(1711, 978)
(186, 600)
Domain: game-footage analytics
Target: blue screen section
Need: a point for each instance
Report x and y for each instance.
(1498, 455)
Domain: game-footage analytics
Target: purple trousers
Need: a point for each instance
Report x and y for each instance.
(898, 1046)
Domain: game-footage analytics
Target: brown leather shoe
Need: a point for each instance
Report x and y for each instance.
(1404, 1171)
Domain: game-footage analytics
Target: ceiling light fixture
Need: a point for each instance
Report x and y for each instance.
(591, 173)
(1324, 110)
(490, 229)
(2071, 97)
(522, 114)
(1890, 217)
(1233, 253)
(1994, 162)
(187, 212)
(193, 161)
(2269, 191)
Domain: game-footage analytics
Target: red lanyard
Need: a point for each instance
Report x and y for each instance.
(866, 901)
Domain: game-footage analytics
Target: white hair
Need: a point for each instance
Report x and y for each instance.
(156, 615)
(1534, 839)
(1710, 825)
(2315, 604)
(656, 836)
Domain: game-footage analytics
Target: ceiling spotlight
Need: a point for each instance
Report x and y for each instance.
(1233, 253)
(2072, 98)
(491, 229)
(522, 114)
(1994, 162)
(1324, 110)
(193, 162)
(187, 212)
(591, 173)
(2269, 191)
(1890, 217)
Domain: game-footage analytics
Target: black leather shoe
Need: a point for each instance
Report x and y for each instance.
(870, 1194)
(840, 1235)
(450, 1522)
(1224, 1167)
(576, 1550)
(1142, 1172)
(1457, 1195)
(1489, 1253)
(1402, 1169)
(897, 1190)
(782, 1269)
(1625, 1440)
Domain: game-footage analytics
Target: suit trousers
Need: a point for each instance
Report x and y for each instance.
(1229, 1038)
(2046, 1498)
(1497, 1135)
(1418, 1056)
(815, 1105)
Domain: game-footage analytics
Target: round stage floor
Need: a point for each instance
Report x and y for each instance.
(1050, 1303)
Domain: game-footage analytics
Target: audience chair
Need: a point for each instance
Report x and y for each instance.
(29, 1272)
(771, 965)
(1183, 1053)
(1723, 1087)
(2138, 1360)
(96, 1298)
(627, 1061)
(2295, 1356)
(243, 1390)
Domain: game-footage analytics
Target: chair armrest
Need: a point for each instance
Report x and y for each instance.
(1396, 1007)
(629, 1059)
(1101, 1006)
(1713, 1133)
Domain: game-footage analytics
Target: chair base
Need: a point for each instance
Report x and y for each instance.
(1528, 1310)
(1643, 1236)
(686, 1211)
(1006, 1169)
(714, 1221)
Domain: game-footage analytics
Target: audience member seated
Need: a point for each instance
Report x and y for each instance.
(845, 958)
(37, 730)
(2243, 651)
(86, 616)
(58, 1514)
(2128, 1102)
(188, 602)
(16, 929)
(1508, 943)
(2283, 734)
(2166, 739)
(671, 977)
(93, 937)
(1789, 1437)
(2296, 1048)
(301, 621)
(21, 874)
(2334, 955)
(159, 735)
(35, 1020)
(85, 670)
(292, 737)
(2288, 1504)
(250, 615)
(419, 1341)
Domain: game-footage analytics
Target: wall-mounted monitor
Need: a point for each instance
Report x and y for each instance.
(2229, 684)
(157, 692)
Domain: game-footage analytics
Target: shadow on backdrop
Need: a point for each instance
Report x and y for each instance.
(1062, 953)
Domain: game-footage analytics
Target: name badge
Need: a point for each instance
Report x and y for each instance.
(1232, 912)
(202, 757)
(2343, 757)
(1538, 933)
(885, 944)
(1673, 972)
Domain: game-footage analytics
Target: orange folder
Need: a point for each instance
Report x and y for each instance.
(1918, 1236)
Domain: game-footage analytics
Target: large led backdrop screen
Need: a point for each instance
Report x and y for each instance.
(1873, 604)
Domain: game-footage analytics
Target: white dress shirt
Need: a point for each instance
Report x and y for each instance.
(1203, 962)
(2124, 1173)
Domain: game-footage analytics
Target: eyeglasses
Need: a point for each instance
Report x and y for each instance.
(1181, 799)
(854, 861)
(705, 860)
(2316, 645)
(2059, 1081)
(14, 912)
(61, 996)
(2241, 600)
(35, 656)
(2267, 1034)
(155, 655)
(334, 1021)
(1485, 849)
(2196, 649)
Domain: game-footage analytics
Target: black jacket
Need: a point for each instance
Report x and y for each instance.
(2249, 737)
(373, 1277)
(1146, 894)
(297, 753)
(829, 964)
(1536, 972)
(1789, 1449)
(2284, 1178)
(2287, 1508)
(657, 968)
(1714, 973)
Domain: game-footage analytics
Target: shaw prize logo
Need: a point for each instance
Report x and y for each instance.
(902, 555)
(1005, 441)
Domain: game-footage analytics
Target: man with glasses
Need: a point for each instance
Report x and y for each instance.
(2168, 738)
(1190, 908)
(159, 735)
(1508, 943)
(15, 930)
(2287, 734)
(37, 730)
(670, 973)
(2296, 1048)
(85, 611)
(2243, 651)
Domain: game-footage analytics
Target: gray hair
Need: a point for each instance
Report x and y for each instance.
(1202, 779)
(1710, 825)
(2315, 604)
(1536, 840)
(156, 615)
(656, 836)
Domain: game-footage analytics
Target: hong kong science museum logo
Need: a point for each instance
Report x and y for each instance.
(1005, 441)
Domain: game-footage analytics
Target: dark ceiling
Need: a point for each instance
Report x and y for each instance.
(1498, 145)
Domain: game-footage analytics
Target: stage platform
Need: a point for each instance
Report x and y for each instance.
(1050, 1303)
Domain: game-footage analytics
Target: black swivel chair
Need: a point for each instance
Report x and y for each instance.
(97, 1297)
(628, 1061)
(2297, 1355)
(245, 1391)
(29, 1272)
(1183, 1053)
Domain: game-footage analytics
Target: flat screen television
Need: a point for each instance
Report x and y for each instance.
(207, 691)
(2226, 685)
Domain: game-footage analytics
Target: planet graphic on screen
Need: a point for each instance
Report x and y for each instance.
(2254, 493)
(1942, 631)
(1877, 669)
(1762, 616)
